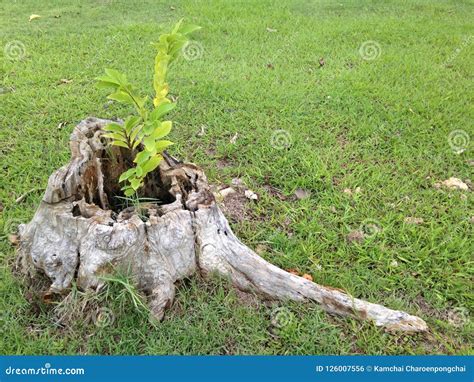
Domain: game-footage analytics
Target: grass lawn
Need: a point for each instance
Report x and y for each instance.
(368, 96)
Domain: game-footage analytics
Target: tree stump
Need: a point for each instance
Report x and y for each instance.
(80, 233)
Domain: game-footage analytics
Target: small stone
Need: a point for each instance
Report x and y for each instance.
(358, 190)
(222, 194)
(237, 182)
(455, 183)
(249, 194)
(413, 220)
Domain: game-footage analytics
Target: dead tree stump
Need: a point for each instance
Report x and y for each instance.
(78, 233)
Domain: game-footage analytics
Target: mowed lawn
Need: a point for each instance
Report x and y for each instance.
(363, 105)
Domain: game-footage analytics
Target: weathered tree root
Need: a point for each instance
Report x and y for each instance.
(74, 235)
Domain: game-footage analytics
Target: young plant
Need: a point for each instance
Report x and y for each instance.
(142, 133)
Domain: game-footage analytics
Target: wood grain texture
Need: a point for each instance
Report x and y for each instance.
(76, 235)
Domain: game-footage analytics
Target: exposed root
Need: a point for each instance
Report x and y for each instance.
(76, 234)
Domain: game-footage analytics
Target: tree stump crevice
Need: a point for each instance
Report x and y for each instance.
(77, 235)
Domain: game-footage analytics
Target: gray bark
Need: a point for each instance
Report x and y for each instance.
(75, 235)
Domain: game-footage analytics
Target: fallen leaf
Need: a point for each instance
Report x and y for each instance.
(302, 194)
(14, 239)
(357, 236)
(293, 271)
(271, 30)
(347, 191)
(394, 263)
(172, 8)
(261, 248)
(48, 297)
(455, 184)
(307, 277)
(202, 132)
(234, 138)
(61, 125)
(322, 62)
(249, 194)
(33, 17)
(64, 81)
(413, 220)
(270, 66)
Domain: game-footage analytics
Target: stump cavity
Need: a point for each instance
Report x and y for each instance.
(80, 232)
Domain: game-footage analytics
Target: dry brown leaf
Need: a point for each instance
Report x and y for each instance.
(14, 239)
(302, 194)
(413, 220)
(357, 236)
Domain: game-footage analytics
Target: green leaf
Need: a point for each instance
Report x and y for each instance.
(139, 172)
(161, 145)
(149, 143)
(162, 130)
(116, 77)
(188, 28)
(114, 127)
(151, 164)
(102, 84)
(115, 136)
(121, 96)
(142, 156)
(130, 123)
(127, 174)
(149, 127)
(120, 143)
(135, 183)
(177, 26)
(128, 191)
(162, 110)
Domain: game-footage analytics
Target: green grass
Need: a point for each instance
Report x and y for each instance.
(381, 125)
